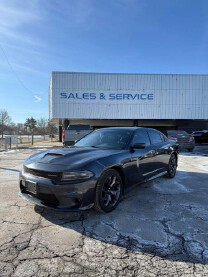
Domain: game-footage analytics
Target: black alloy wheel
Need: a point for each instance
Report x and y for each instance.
(172, 165)
(108, 191)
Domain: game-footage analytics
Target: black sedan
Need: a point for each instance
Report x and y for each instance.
(183, 139)
(98, 169)
(201, 137)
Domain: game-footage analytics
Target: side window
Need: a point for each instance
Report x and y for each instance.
(162, 137)
(141, 136)
(154, 137)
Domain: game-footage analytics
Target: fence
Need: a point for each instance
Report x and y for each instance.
(2, 143)
(24, 141)
(6, 143)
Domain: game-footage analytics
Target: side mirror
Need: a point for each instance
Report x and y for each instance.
(139, 146)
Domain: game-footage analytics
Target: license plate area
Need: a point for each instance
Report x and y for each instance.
(31, 187)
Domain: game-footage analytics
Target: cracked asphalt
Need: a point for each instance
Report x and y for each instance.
(159, 228)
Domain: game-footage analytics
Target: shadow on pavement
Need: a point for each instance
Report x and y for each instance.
(165, 217)
(10, 169)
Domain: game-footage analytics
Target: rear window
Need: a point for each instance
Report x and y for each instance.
(79, 127)
(163, 137)
(176, 132)
(155, 137)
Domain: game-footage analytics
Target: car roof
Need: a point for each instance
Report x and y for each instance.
(128, 128)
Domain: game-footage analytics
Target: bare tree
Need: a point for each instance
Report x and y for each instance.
(52, 129)
(4, 121)
(11, 128)
(42, 125)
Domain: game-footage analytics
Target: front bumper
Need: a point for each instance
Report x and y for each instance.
(44, 192)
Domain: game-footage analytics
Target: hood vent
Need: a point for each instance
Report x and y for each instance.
(54, 154)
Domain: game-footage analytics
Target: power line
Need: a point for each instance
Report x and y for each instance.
(13, 71)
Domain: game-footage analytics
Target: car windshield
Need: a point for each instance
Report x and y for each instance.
(176, 133)
(105, 139)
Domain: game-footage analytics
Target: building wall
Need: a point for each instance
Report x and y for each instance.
(50, 99)
(128, 96)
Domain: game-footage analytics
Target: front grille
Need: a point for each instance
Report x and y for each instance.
(43, 174)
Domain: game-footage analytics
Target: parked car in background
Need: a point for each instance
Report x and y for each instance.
(75, 132)
(52, 136)
(197, 133)
(98, 169)
(184, 140)
(200, 136)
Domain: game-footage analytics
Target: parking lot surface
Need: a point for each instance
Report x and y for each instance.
(159, 228)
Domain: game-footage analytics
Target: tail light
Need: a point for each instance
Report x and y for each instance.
(63, 135)
(191, 138)
(174, 138)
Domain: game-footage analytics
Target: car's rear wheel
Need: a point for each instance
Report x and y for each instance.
(108, 191)
(172, 165)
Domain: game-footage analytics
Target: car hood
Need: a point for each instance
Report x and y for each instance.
(68, 156)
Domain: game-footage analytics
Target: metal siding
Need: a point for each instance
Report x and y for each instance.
(175, 96)
(50, 99)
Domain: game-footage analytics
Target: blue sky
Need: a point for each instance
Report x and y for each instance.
(134, 36)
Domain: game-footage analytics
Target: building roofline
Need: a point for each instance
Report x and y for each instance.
(123, 73)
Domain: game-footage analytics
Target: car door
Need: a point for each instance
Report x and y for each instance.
(161, 151)
(142, 164)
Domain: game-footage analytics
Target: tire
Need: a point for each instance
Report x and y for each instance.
(108, 191)
(190, 149)
(172, 165)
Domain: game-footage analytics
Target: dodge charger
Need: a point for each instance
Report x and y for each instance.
(98, 169)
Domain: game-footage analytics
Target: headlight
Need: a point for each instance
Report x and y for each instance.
(79, 175)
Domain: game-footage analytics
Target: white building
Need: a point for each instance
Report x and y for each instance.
(120, 99)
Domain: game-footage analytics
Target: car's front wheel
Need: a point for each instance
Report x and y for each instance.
(108, 191)
(172, 165)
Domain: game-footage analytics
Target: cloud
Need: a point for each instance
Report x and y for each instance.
(73, 11)
(15, 15)
(27, 69)
(37, 99)
(17, 36)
